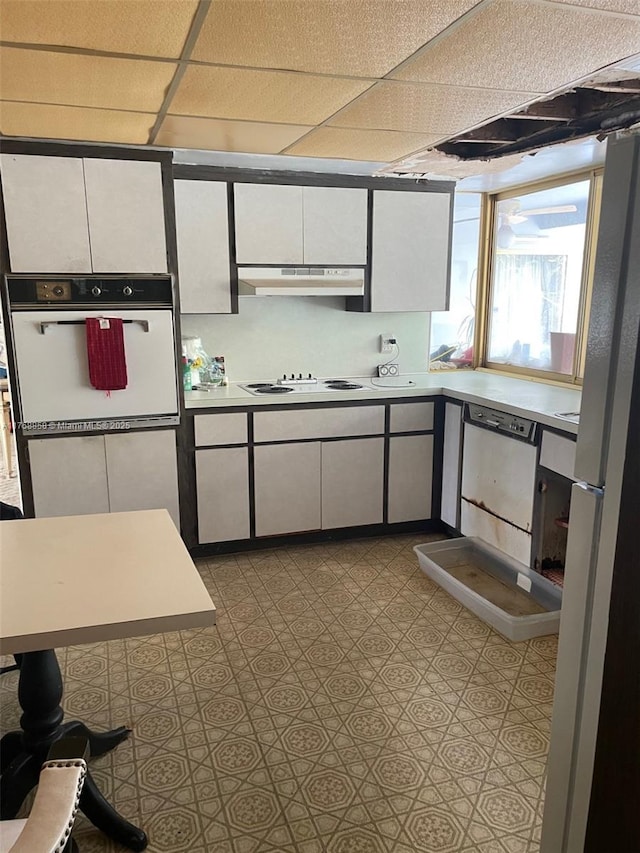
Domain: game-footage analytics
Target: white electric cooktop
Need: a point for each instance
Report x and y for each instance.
(288, 385)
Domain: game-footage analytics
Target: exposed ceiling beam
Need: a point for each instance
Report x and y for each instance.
(623, 87)
(562, 108)
(597, 117)
(505, 130)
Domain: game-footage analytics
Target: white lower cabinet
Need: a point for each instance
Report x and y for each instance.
(318, 485)
(79, 475)
(68, 475)
(142, 470)
(222, 486)
(287, 488)
(410, 477)
(352, 482)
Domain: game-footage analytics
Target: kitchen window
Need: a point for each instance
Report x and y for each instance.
(452, 331)
(538, 278)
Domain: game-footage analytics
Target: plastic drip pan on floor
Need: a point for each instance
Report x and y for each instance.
(514, 600)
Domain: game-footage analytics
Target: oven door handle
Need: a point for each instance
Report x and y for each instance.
(43, 326)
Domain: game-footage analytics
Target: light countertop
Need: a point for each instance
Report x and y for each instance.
(536, 400)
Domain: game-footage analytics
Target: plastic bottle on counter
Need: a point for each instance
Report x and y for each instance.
(186, 374)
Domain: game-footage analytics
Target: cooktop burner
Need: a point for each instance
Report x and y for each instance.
(260, 385)
(342, 385)
(270, 389)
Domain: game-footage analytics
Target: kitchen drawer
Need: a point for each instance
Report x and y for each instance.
(411, 417)
(228, 428)
(318, 423)
(558, 454)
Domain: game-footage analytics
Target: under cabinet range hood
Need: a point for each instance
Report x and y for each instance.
(300, 281)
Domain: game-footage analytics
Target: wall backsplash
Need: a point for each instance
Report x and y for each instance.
(308, 334)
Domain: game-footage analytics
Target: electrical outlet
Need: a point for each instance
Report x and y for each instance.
(389, 369)
(387, 342)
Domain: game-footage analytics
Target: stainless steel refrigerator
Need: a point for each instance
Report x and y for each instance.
(605, 452)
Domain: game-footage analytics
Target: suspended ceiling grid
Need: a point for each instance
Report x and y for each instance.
(371, 80)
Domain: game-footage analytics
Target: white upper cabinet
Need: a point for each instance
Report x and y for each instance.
(65, 214)
(126, 216)
(411, 245)
(268, 224)
(277, 224)
(335, 225)
(46, 214)
(202, 227)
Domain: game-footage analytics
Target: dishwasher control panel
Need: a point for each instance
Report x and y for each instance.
(513, 425)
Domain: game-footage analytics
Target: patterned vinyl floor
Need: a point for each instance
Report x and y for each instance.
(344, 703)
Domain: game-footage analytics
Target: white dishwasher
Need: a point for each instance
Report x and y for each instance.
(498, 480)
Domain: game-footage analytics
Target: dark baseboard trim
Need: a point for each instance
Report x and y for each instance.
(426, 526)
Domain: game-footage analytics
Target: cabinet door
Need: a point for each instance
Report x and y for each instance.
(202, 227)
(143, 472)
(222, 486)
(410, 477)
(451, 464)
(268, 224)
(352, 482)
(46, 214)
(69, 475)
(126, 216)
(410, 252)
(335, 225)
(287, 488)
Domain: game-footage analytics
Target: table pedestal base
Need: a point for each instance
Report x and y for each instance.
(23, 753)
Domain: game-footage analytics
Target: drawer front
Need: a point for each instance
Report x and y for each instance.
(411, 417)
(318, 423)
(228, 428)
(558, 454)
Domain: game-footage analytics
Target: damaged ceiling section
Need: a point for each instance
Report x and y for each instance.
(595, 108)
(604, 103)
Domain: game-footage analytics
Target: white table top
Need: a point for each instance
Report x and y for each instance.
(88, 578)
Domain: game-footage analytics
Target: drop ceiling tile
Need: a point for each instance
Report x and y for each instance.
(46, 121)
(496, 49)
(269, 96)
(361, 37)
(147, 27)
(629, 7)
(380, 146)
(89, 81)
(220, 135)
(423, 108)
